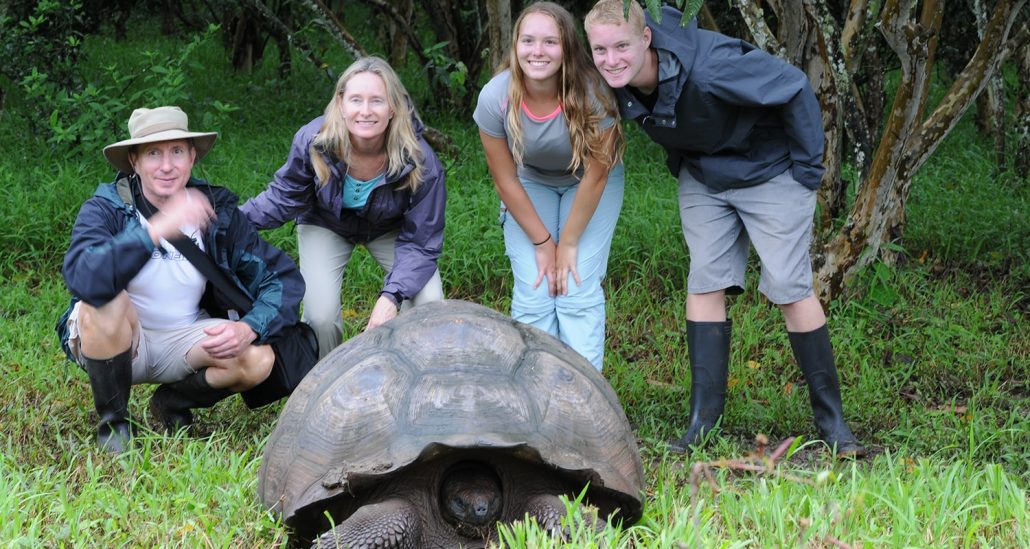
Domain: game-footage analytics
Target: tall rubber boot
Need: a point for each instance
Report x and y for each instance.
(172, 403)
(814, 354)
(111, 380)
(708, 344)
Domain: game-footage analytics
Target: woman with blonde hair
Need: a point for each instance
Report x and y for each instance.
(550, 132)
(360, 174)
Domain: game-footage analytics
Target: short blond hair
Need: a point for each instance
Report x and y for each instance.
(616, 12)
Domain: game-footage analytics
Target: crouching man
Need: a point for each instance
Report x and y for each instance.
(141, 312)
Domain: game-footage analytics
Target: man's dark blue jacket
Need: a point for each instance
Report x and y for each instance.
(109, 246)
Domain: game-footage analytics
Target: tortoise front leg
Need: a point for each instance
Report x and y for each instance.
(389, 524)
(548, 511)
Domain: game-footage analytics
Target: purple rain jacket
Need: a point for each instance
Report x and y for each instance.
(295, 194)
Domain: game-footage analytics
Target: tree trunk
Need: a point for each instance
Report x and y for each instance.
(245, 42)
(990, 106)
(930, 19)
(280, 28)
(397, 39)
(1023, 113)
(403, 26)
(499, 30)
(861, 111)
(907, 139)
(282, 40)
(824, 68)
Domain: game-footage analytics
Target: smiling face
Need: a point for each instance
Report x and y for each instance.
(538, 47)
(366, 109)
(620, 54)
(164, 168)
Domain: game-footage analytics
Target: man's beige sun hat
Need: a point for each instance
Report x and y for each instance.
(152, 125)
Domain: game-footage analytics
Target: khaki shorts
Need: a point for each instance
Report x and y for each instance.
(720, 227)
(159, 356)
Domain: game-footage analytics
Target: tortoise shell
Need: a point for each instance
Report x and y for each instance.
(447, 377)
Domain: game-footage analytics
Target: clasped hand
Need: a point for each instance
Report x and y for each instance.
(556, 262)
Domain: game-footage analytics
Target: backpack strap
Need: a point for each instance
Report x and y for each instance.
(203, 262)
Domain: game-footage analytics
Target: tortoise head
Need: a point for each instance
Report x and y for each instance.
(470, 498)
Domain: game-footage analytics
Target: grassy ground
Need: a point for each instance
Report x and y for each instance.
(934, 354)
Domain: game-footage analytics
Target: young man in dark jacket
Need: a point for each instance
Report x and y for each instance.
(139, 312)
(743, 133)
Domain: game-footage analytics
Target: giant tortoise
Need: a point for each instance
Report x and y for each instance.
(431, 429)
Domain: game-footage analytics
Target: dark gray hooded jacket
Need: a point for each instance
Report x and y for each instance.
(735, 115)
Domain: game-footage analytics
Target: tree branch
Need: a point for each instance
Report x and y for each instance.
(851, 34)
(295, 40)
(993, 50)
(343, 37)
(403, 25)
(763, 36)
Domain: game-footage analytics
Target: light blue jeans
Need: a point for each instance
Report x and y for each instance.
(577, 318)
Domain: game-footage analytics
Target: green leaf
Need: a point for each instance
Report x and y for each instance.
(690, 10)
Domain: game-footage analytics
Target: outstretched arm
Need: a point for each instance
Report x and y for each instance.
(591, 187)
(506, 182)
(292, 189)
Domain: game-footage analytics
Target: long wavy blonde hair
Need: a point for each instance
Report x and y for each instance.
(402, 143)
(578, 82)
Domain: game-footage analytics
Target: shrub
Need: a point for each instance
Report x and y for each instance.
(77, 115)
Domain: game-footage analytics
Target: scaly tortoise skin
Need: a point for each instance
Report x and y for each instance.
(427, 431)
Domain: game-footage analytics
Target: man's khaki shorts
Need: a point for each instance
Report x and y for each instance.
(159, 356)
(719, 227)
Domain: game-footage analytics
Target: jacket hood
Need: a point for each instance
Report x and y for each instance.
(673, 36)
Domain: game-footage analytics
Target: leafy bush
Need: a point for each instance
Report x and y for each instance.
(46, 39)
(79, 116)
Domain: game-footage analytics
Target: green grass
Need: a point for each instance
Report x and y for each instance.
(934, 354)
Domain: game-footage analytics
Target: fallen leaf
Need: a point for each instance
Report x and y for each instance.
(957, 409)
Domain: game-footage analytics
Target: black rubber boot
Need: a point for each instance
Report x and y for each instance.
(111, 381)
(708, 344)
(814, 354)
(172, 402)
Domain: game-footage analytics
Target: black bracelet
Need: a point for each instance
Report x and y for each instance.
(544, 241)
